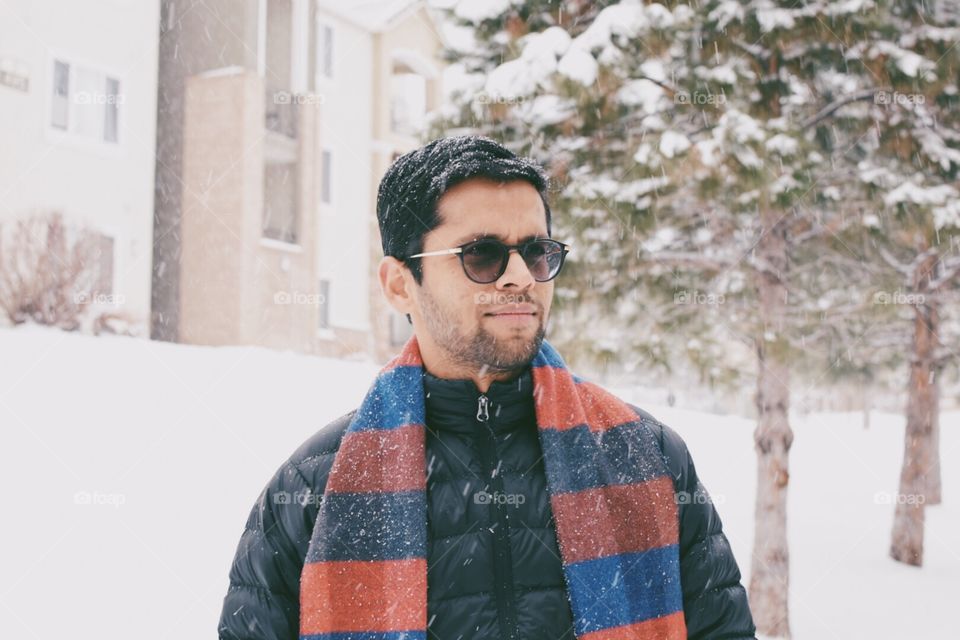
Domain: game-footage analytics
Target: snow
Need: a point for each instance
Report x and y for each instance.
(456, 80)
(910, 63)
(783, 184)
(724, 73)
(782, 144)
(477, 11)
(910, 192)
(643, 154)
(174, 443)
(537, 62)
(772, 18)
(936, 149)
(726, 12)
(579, 66)
(627, 18)
(551, 42)
(663, 238)
(546, 110)
(947, 215)
(458, 37)
(513, 79)
(641, 93)
(673, 143)
(847, 7)
(741, 126)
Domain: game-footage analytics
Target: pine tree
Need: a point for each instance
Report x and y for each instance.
(714, 161)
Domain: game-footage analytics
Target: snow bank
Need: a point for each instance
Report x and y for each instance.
(132, 465)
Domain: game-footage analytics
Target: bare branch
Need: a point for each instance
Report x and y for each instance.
(951, 269)
(905, 270)
(689, 258)
(828, 110)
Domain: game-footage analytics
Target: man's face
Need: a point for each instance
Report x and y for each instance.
(485, 328)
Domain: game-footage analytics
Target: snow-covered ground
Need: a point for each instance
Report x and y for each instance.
(130, 467)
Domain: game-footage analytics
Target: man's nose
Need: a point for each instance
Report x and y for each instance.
(517, 272)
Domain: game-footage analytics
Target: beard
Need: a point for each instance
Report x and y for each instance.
(482, 350)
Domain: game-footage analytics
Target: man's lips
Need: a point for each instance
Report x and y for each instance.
(514, 310)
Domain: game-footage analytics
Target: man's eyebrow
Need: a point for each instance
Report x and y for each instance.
(484, 236)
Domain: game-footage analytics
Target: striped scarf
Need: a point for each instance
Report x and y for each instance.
(365, 573)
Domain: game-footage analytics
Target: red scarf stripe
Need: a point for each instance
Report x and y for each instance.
(381, 460)
(604, 521)
(668, 627)
(563, 411)
(380, 595)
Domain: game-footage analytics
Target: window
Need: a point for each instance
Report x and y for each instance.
(324, 50)
(111, 113)
(323, 302)
(326, 176)
(60, 104)
(280, 202)
(408, 102)
(85, 102)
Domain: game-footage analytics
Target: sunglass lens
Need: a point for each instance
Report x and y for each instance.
(484, 260)
(543, 258)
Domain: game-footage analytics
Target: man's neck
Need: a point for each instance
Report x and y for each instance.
(482, 377)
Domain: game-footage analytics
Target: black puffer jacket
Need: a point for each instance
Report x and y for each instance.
(493, 564)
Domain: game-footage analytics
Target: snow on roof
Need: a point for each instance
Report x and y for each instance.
(372, 15)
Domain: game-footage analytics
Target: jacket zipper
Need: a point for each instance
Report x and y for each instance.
(503, 557)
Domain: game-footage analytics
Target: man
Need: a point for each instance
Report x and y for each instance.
(481, 491)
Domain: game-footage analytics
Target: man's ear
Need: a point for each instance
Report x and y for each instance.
(396, 283)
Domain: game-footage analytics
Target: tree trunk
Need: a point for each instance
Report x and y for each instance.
(934, 494)
(770, 566)
(867, 405)
(918, 451)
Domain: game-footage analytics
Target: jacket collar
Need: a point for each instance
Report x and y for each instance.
(453, 403)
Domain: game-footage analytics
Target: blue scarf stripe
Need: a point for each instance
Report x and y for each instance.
(600, 458)
(363, 526)
(548, 357)
(619, 590)
(388, 404)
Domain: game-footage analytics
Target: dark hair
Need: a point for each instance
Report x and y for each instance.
(409, 191)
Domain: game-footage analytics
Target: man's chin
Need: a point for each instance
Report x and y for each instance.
(519, 353)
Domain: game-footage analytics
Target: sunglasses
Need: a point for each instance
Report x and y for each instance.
(485, 260)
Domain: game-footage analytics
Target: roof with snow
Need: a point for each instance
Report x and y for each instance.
(371, 15)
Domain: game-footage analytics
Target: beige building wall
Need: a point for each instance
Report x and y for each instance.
(242, 288)
(220, 64)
